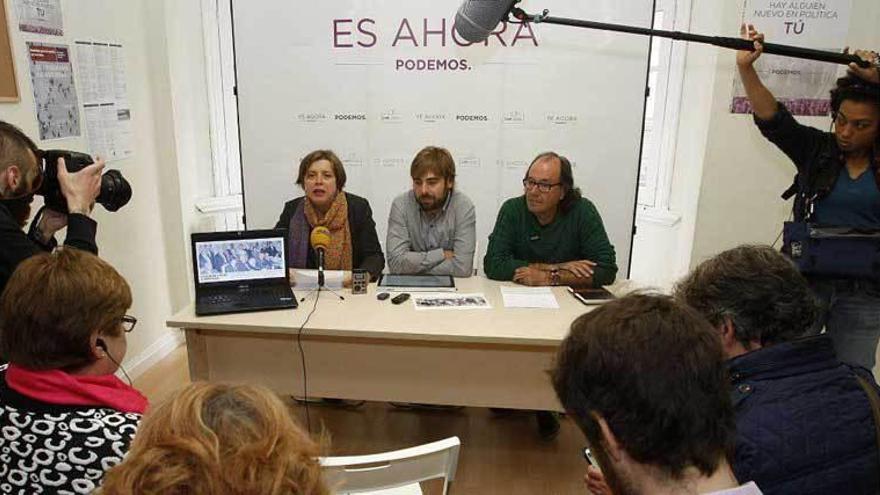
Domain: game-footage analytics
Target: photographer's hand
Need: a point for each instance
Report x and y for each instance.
(51, 222)
(82, 187)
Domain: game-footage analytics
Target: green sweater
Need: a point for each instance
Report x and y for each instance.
(518, 239)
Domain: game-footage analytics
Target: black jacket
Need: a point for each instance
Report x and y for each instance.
(815, 154)
(803, 423)
(366, 251)
(16, 246)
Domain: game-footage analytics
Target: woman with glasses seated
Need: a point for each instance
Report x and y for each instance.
(65, 417)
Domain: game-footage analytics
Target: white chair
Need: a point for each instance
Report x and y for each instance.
(398, 472)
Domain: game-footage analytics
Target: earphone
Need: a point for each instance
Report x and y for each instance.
(103, 345)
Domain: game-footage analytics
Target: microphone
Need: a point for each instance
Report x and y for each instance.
(320, 240)
(476, 19)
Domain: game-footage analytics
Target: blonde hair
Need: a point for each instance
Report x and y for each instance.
(219, 439)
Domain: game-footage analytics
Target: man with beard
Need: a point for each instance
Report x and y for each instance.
(643, 377)
(432, 230)
(21, 174)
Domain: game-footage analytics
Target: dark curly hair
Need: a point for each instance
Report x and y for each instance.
(757, 288)
(853, 89)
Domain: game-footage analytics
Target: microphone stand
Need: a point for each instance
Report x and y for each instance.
(321, 287)
(724, 42)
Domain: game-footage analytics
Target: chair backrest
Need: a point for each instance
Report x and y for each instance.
(361, 473)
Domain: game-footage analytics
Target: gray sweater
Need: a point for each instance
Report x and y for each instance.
(416, 240)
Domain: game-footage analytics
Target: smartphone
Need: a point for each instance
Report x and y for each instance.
(589, 457)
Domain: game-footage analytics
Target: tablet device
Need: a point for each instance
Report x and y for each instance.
(417, 283)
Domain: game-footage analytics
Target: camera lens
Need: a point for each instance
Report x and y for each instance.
(115, 191)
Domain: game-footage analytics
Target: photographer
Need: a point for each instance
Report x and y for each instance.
(21, 174)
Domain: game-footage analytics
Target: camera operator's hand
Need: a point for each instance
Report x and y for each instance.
(50, 222)
(82, 187)
(870, 74)
(745, 59)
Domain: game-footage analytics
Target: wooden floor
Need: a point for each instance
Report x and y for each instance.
(499, 454)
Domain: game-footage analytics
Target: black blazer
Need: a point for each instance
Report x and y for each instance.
(366, 251)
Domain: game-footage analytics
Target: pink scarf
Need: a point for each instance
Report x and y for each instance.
(58, 387)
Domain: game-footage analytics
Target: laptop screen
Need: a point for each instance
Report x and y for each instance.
(240, 259)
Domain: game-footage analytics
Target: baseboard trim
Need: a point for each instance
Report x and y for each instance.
(158, 350)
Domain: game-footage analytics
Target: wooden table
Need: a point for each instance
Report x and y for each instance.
(362, 348)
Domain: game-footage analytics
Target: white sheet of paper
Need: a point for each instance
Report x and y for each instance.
(308, 279)
(446, 300)
(529, 297)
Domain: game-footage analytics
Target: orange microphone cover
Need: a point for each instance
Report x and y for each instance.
(320, 238)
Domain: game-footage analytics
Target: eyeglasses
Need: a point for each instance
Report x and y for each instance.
(544, 187)
(128, 323)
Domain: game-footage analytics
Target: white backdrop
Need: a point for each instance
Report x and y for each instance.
(378, 80)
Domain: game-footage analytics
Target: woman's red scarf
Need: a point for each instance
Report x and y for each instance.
(58, 387)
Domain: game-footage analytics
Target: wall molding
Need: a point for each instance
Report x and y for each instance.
(158, 350)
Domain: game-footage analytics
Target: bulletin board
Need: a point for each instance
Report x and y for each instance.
(8, 83)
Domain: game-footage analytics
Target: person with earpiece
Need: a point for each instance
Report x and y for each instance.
(66, 417)
(835, 236)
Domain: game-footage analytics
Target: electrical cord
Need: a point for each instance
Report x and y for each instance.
(789, 218)
(103, 346)
(302, 356)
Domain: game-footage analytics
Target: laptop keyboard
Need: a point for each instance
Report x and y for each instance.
(253, 297)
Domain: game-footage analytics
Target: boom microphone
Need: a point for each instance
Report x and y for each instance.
(320, 240)
(476, 19)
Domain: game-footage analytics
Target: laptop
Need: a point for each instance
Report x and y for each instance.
(241, 271)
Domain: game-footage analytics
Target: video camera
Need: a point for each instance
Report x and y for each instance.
(115, 190)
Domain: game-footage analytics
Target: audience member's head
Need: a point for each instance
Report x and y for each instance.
(214, 438)
(754, 295)
(66, 311)
(644, 379)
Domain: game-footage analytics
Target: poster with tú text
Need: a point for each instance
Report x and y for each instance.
(801, 85)
(54, 91)
(40, 16)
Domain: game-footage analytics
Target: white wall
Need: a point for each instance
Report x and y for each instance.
(147, 240)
